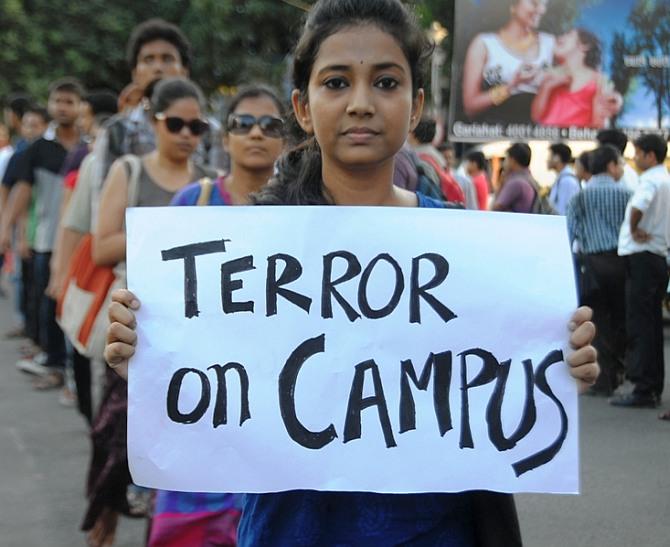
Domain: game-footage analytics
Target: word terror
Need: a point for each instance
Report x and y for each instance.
(283, 269)
(438, 369)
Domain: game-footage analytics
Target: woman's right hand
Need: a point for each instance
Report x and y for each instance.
(121, 335)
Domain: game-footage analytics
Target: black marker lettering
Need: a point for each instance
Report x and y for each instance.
(328, 285)
(399, 287)
(229, 285)
(440, 365)
(173, 397)
(292, 271)
(421, 291)
(358, 403)
(494, 408)
(547, 454)
(188, 253)
(486, 374)
(287, 381)
(221, 408)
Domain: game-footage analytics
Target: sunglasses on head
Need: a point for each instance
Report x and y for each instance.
(174, 124)
(270, 126)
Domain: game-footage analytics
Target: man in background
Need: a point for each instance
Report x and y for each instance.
(644, 241)
(566, 184)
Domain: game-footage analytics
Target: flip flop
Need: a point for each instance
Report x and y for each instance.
(52, 380)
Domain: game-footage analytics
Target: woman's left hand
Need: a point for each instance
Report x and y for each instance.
(583, 359)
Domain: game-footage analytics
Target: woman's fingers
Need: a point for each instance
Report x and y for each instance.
(583, 361)
(117, 355)
(126, 298)
(119, 313)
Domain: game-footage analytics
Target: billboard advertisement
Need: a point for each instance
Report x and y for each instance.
(559, 69)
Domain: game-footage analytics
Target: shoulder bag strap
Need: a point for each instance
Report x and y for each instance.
(205, 191)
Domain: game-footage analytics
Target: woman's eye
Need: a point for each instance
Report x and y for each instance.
(387, 83)
(335, 83)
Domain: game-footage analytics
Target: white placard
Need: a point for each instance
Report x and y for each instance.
(351, 349)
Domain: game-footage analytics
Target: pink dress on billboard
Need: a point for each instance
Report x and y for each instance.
(571, 108)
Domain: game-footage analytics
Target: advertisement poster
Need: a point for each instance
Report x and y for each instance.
(550, 69)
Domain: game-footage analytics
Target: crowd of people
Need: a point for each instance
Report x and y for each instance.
(357, 136)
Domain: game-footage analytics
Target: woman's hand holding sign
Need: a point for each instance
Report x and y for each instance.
(122, 339)
(121, 335)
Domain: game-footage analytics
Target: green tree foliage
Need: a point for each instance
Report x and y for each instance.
(235, 41)
(650, 20)
(620, 75)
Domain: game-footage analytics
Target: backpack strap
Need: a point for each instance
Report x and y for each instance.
(206, 186)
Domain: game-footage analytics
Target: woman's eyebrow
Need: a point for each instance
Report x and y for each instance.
(376, 66)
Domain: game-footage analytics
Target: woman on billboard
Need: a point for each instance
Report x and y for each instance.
(503, 70)
(575, 92)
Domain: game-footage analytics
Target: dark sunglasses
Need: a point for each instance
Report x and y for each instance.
(241, 124)
(175, 125)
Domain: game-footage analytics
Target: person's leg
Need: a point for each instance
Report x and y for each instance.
(82, 379)
(600, 268)
(640, 300)
(29, 299)
(52, 338)
(659, 269)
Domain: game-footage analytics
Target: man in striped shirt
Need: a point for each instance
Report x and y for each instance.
(594, 218)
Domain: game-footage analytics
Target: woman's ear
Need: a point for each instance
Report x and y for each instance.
(302, 112)
(417, 109)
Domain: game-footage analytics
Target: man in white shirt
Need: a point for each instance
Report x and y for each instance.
(644, 241)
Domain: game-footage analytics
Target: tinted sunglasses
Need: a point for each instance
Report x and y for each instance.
(242, 124)
(175, 125)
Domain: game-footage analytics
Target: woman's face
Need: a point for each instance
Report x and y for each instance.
(179, 145)
(566, 44)
(254, 149)
(359, 103)
(529, 12)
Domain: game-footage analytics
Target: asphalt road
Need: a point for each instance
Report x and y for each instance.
(44, 451)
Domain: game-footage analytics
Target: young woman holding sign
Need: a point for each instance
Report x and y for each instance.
(358, 91)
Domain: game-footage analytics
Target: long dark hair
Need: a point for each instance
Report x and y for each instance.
(170, 90)
(299, 180)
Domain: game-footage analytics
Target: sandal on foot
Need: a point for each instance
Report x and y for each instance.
(52, 380)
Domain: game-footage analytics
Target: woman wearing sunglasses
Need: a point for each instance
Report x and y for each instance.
(254, 139)
(176, 105)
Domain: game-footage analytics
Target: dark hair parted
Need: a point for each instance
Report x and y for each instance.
(299, 180)
(601, 157)
(477, 158)
(40, 111)
(19, 104)
(102, 101)
(520, 152)
(153, 30)
(653, 143)
(255, 91)
(168, 91)
(67, 85)
(594, 54)
(615, 137)
(585, 159)
(563, 151)
(425, 131)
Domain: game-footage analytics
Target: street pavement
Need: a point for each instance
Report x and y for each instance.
(44, 451)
